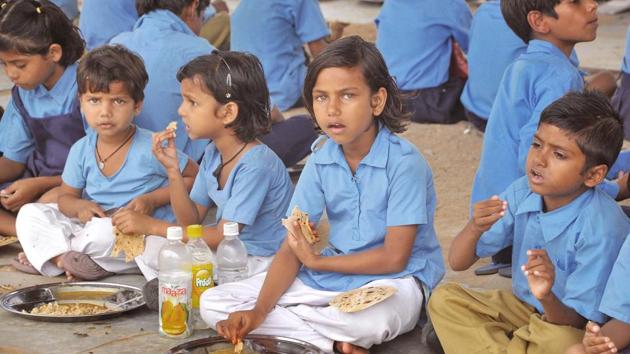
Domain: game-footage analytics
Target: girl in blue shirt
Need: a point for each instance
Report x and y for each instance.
(39, 48)
(226, 100)
(378, 194)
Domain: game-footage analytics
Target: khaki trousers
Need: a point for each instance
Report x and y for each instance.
(217, 31)
(494, 321)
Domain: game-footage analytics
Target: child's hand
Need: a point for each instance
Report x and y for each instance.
(167, 155)
(301, 248)
(20, 192)
(487, 212)
(142, 204)
(132, 222)
(595, 343)
(239, 324)
(622, 182)
(88, 210)
(540, 273)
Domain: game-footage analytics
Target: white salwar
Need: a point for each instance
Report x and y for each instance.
(303, 312)
(45, 232)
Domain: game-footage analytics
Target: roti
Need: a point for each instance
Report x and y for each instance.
(132, 245)
(7, 240)
(302, 220)
(172, 126)
(362, 298)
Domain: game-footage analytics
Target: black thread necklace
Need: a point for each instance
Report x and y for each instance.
(101, 161)
(217, 171)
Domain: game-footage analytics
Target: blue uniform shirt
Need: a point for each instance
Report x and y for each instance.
(101, 20)
(581, 238)
(533, 81)
(69, 7)
(275, 31)
(256, 194)
(625, 67)
(392, 186)
(415, 39)
(165, 43)
(616, 302)
(16, 140)
(140, 173)
(493, 46)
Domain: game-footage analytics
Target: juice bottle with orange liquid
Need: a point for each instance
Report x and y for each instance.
(201, 270)
(175, 286)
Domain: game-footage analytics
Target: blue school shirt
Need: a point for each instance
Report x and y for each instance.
(69, 7)
(139, 174)
(625, 67)
(533, 81)
(392, 186)
(415, 39)
(616, 302)
(493, 46)
(165, 43)
(101, 20)
(16, 140)
(581, 238)
(256, 194)
(275, 31)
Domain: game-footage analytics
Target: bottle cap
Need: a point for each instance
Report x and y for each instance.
(174, 233)
(230, 229)
(194, 231)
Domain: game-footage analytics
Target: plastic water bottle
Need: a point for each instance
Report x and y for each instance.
(175, 283)
(201, 270)
(231, 256)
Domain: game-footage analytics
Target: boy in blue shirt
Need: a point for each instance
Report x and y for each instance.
(487, 60)
(421, 63)
(565, 235)
(109, 171)
(621, 98)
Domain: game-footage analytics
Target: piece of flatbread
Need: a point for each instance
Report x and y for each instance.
(132, 245)
(362, 298)
(302, 219)
(7, 240)
(238, 348)
(172, 126)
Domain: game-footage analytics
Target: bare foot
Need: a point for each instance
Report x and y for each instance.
(59, 263)
(22, 259)
(347, 348)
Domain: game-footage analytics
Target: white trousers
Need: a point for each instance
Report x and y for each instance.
(148, 261)
(45, 233)
(303, 312)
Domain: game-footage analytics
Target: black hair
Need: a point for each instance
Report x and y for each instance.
(588, 117)
(350, 52)
(175, 6)
(234, 77)
(109, 63)
(31, 26)
(515, 14)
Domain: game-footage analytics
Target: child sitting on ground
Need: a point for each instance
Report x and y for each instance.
(39, 48)
(111, 168)
(377, 191)
(225, 100)
(621, 98)
(565, 235)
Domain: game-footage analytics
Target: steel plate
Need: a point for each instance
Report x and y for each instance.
(252, 344)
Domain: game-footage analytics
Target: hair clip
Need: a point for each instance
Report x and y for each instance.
(4, 4)
(228, 77)
(39, 10)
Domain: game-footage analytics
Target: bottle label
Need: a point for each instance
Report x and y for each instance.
(175, 310)
(201, 280)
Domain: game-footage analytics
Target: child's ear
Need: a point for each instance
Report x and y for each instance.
(137, 107)
(55, 52)
(229, 112)
(379, 98)
(538, 22)
(595, 175)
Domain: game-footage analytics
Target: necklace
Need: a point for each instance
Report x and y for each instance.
(217, 171)
(101, 161)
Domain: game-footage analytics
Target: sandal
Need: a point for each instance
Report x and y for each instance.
(24, 268)
(83, 266)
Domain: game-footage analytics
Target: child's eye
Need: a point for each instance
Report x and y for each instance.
(320, 98)
(347, 96)
(193, 103)
(93, 100)
(535, 144)
(119, 101)
(559, 155)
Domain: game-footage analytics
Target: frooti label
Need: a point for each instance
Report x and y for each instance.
(175, 307)
(201, 280)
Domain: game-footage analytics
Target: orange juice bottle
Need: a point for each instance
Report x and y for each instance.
(175, 286)
(201, 270)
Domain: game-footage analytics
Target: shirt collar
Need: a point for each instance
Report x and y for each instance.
(59, 91)
(554, 223)
(331, 152)
(164, 19)
(541, 46)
